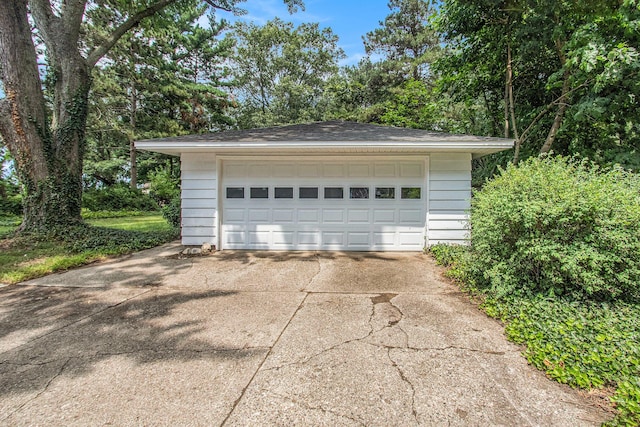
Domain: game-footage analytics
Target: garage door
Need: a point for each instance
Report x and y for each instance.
(324, 205)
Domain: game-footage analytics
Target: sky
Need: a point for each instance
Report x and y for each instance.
(349, 19)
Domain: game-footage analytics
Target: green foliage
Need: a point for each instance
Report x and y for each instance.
(590, 46)
(164, 186)
(11, 205)
(447, 255)
(8, 224)
(92, 215)
(407, 39)
(585, 344)
(172, 212)
(457, 259)
(166, 77)
(118, 197)
(282, 71)
(559, 227)
(27, 256)
(582, 344)
(111, 240)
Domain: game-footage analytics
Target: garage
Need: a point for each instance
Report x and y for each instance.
(331, 186)
(327, 204)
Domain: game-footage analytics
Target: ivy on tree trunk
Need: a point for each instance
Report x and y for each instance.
(48, 146)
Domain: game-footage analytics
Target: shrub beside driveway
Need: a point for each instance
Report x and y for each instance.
(555, 255)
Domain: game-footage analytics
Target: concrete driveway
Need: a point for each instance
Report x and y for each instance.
(249, 338)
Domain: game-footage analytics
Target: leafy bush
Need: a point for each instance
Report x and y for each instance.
(458, 260)
(582, 343)
(164, 187)
(11, 205)
(118, 197)
(172, 212)
(558, 226)
(110, 240)
(447, 255)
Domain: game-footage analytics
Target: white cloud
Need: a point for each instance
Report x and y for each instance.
(352, 59)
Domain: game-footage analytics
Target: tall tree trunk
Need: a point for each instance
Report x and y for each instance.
(133, 98)
(48, 158)
(563, 101)
(506, 103)
(47, 150)
(511, 104)
(557, 121)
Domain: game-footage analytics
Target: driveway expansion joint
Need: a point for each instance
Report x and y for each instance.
(244, 390)
(319, 261)
(41, 392)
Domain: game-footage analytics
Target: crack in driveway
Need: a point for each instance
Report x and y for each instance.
(44, 389)
(244, 390)
(312, 407)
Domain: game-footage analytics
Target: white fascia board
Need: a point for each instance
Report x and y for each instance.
(176, 148)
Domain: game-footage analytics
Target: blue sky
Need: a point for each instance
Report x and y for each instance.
(349, 19)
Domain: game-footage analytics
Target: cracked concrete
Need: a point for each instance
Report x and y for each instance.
(254, 338)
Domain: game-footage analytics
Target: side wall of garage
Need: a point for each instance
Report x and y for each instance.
(199, 198)
(449, 198)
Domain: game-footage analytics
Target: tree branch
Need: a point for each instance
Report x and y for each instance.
(225, 8)
(546, 109)
(97, 53)
(71, 13)
(46, 20)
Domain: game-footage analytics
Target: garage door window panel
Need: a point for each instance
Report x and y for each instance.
(412, 193)
(235, 192)
(385, 193)
(333, 193)
(259, 192)
(308, 192)
(284, 192)
(359, 192)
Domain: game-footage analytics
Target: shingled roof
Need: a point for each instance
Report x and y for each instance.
(330, 134)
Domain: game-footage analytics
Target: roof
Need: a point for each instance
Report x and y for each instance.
(326, 137)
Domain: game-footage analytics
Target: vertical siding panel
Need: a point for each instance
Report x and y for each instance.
(449, 198)
(199, 186)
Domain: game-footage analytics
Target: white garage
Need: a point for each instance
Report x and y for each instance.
(325, 186)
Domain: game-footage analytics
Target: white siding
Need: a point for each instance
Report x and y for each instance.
(199, 198)
(449, 198)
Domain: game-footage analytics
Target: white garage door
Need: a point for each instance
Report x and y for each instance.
(324, 205)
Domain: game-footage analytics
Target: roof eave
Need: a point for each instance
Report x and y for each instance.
(477, 149)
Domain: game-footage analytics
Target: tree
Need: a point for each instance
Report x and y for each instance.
(398, 88)
(282, 71)
(165, 78)
(47, 139)
(543, 58)
(406, 39)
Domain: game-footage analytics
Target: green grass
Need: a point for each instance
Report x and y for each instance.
(29, 256)
(586, 344)
(137, 223)
(8, 224)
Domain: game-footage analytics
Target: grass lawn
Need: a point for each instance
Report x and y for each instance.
(8, 224)
(27, 257)
(137, 223)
